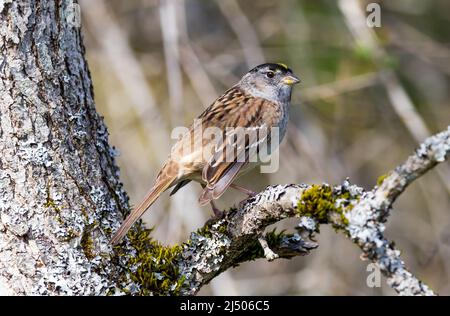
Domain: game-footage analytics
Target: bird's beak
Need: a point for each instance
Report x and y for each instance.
(290, 80)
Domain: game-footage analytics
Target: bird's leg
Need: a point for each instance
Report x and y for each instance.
(217, 213)
(249, 192)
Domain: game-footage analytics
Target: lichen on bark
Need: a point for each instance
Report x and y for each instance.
(60, 195)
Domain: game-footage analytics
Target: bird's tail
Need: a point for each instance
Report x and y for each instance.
(165, 179)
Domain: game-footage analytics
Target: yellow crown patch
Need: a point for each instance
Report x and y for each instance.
(283, 65)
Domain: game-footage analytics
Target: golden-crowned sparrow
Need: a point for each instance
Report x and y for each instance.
(259, 100)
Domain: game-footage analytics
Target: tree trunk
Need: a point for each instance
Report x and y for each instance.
(60, 193)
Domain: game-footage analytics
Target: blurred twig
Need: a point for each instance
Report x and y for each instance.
(168, 10)
(126, 67)
(169, 28)
(366, 37)
(423, 47)
(191, 64)
(331, 90)
(400, 100)
(244, 31)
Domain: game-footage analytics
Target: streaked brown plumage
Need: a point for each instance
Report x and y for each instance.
(260, 99)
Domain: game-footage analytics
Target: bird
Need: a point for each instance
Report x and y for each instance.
(259, 100)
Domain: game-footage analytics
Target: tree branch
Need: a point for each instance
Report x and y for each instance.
(348, 208)
(365, 219)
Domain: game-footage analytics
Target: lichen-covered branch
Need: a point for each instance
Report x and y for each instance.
(432, 151)
(237, 237)
(216, 247)
(348, 208)
(368, 215)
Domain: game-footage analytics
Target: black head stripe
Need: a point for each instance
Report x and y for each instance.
(272, 66)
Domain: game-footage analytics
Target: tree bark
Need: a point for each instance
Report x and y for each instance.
(60, 192)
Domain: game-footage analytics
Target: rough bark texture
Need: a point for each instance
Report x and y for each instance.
(59, 186)
(239, 237)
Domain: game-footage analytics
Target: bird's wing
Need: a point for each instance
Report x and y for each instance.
(178, 186)
(229, 113)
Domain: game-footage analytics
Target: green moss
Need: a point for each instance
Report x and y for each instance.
(274, 238)
(52, 205)
(255, 251)
(71, 234)
(153, 266)
(222, 229)
(207, 229)
(344, 219)
(381, 179)
(319, 202)
(87, 244)
(84, 213)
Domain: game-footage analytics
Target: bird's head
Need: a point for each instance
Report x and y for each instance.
(270, 81)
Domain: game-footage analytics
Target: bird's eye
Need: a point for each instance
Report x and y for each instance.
(270, 74)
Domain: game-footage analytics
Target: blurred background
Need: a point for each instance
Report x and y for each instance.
(368, 96)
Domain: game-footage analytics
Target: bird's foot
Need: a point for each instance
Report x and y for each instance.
(242, 203)
(218, 214)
